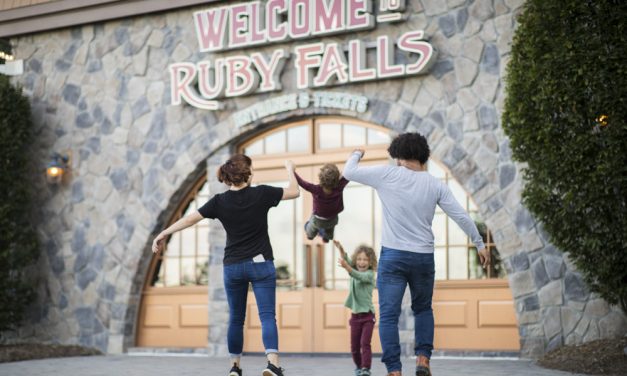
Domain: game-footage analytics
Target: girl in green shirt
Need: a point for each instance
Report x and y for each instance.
(361, 267)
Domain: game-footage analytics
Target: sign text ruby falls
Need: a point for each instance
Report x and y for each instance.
(318, 64)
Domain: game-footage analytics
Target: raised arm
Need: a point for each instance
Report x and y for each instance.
(183, 223)
(454, 210)
(292, 191)
(340, 249)
(304, 183)
(370, 175)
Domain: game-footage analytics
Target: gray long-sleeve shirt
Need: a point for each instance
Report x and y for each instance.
(409, 198)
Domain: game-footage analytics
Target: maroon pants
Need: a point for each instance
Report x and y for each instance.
(362, 325)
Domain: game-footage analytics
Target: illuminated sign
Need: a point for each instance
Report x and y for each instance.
(317, 64)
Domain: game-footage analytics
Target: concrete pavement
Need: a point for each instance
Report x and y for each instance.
(201, 365)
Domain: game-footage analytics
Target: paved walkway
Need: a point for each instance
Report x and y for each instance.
(161, 365)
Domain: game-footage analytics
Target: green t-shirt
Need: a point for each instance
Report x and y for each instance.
(360, 292)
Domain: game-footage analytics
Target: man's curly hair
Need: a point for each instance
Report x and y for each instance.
(329, 176)
(410, 146)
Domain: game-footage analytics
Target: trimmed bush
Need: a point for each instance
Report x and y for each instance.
(565, 115)
(18, 238)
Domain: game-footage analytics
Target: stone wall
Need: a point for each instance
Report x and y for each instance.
(101, 92)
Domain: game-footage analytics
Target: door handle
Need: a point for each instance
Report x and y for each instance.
(319, 265)
(308, 266)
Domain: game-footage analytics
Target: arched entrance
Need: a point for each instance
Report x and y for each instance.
(473, 307)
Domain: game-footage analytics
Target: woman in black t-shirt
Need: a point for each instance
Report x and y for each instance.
(243, 211)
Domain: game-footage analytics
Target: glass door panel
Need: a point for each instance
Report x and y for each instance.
(285, 222)
(359, 223)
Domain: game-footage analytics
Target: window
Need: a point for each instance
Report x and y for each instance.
(334, 134)
(290, 140)
(455, 256)
(184, 261)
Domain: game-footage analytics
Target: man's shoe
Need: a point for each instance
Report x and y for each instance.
(365, 372)
(422, 366)
(272, 370)
(235, 371)
(394, 373)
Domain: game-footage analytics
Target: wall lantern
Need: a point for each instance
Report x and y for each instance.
(58, 165)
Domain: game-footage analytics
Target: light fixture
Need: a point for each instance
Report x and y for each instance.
(602, 120)
(6, 50)
(58, 165)
(5, 56)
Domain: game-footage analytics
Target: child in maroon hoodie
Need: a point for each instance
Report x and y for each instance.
(327, 201)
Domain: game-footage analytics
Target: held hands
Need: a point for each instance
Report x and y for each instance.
(159, 243)
(289, 165)
(360, 151)
(484, 257)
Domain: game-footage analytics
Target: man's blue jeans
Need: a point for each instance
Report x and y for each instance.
(396, 270)
(237, 277)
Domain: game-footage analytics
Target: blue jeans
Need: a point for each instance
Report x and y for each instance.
(237, 277)
(396, 270)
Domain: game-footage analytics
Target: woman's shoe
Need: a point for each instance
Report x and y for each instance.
(272, 370)
(235, 371)
(365, 372)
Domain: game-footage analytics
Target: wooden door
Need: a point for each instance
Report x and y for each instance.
(473, 308)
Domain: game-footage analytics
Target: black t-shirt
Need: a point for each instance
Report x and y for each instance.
(244, 215)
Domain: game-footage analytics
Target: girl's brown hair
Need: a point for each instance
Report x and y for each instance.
(236, 170)
(329, 176)
(369, 253)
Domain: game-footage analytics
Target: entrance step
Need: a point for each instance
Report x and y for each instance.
(470, 354)
(201, 351)
(167, 351)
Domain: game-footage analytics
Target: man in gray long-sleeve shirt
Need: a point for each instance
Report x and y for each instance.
(409, 195)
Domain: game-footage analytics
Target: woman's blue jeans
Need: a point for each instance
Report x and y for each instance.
(237, 278)
(396, 270)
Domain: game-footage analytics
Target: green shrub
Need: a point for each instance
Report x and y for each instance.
(18, 238)
(568, 69)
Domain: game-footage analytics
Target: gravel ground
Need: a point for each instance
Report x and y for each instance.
(603, 357)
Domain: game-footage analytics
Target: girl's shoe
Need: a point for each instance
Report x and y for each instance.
(235, 371)
(365, 372)
(357, 371)
(272, 370)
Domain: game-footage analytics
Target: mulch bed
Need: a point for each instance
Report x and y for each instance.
(602, 357)
(29, 351)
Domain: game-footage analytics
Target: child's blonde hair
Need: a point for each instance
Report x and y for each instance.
(329, 176)
(369, 253)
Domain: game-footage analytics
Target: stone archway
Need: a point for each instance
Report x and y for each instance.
(552, 303)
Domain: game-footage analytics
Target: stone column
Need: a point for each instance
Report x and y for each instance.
(218, 306)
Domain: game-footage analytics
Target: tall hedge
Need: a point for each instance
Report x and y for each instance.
(18, 239)
(565, 115)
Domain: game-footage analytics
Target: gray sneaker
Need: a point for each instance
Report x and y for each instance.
(365, 372)
(357, 371)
